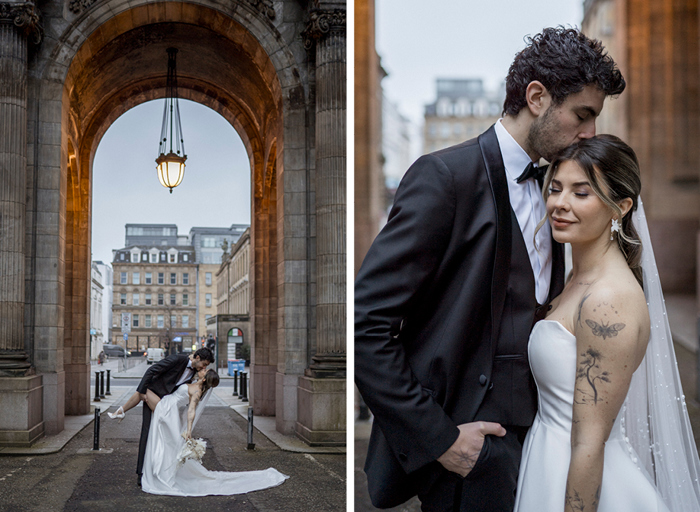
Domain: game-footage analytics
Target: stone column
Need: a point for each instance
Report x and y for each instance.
(18, 20)
(321, 393)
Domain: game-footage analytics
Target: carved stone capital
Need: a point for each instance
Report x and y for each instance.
(25, 17)
(321, 23)
(264, 6)
(78, 6)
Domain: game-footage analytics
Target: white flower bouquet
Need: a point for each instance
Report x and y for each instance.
(193, 449)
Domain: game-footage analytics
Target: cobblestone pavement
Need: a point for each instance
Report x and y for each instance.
(73, 481)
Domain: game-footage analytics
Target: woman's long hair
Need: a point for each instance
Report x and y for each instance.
(612, 169)
(211, 380)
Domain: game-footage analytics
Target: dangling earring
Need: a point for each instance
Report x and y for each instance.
(615, 228)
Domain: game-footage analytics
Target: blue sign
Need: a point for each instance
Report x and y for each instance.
(126, 336)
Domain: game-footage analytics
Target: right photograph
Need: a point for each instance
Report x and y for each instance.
(527, 239)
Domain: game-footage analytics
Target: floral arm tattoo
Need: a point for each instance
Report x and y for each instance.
(589, 375)
(575, 503)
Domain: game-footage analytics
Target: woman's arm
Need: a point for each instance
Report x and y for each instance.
(611, 337)
(193, 391)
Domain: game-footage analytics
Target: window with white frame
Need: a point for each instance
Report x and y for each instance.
(135, 299)
(148, 299)
(147, 321)
(136, 278)
(173, 278)
(161, 278)
(134, 257)
(172, 258)
(122, 299)
(173, 321)
(122, 278)
(161, 321)
(135, 320)
(185, 299)
(207, 300)
(173, 298)
(154, 257)
(185, 257)
(185, 278)
(149, 277)
(207, 278)
(161, 300)
(185, 321)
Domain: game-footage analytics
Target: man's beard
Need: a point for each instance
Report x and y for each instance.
(542, 134)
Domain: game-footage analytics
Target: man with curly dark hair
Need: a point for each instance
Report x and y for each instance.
(448, 293)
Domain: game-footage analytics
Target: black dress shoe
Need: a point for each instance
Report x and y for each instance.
(138, 481)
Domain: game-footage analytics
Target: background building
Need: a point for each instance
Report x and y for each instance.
(462, 110)
(396, 148)
(97, 296)
(104, 331)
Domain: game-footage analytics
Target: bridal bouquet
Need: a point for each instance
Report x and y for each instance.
(193, 449)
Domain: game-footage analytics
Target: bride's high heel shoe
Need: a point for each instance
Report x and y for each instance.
(117, 415)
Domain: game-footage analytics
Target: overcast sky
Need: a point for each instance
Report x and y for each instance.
(215, 190)
(456, 39)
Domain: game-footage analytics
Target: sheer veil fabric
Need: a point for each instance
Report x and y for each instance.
(655, 418)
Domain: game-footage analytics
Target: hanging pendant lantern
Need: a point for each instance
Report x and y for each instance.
(171, 165)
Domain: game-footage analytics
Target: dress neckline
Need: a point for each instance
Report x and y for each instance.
(567, 331)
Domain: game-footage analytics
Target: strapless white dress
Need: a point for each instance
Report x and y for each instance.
(162, 474)
(547, 449)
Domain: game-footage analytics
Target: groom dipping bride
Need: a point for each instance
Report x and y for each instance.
(169, 459)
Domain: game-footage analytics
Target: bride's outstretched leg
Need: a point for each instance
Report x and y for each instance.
(151, 399)
(130, 404)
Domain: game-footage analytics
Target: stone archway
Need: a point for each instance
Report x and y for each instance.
(245, 60)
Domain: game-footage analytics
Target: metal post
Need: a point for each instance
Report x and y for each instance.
(244, 387)
(97, 387)
(235, 382)
(96, 436)
(251, 444)
(102, 384)
(108, 377)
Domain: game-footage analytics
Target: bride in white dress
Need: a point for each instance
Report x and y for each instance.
(165, 468)
(612, 432)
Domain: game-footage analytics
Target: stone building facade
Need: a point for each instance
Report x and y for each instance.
(276, 70)
(97, 298)
(656, 46)
(156, 288)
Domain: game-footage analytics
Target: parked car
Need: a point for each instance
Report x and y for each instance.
(114, 350)
(153, 355)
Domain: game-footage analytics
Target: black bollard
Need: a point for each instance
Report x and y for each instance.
(96, 436)
(97, 387)
(235, 382)
(244, 387)
(251, 444)
(102, 384)
(107, 392)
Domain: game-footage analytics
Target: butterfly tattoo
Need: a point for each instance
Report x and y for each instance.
(605, 330)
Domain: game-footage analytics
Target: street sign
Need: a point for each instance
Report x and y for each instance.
(93, 332)
(126, 322)
(126, 336)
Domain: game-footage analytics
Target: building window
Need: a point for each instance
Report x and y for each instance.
(161, 322)
(173, 278)
(134, 257)
(135, 320)
(185, 278)
(185, 257)
(135, 299)
(207, 317)
(160, 299)
(121, 256)
(185, 320)
(207, 278)
(173, 321)
(172, 258)
(144, 257)
(149, 278)
(154, 258)
(185, 300)
(172, 299)
(122, 299)
(207, 300)
(161, 278)
(148, 299)
(208, 241)
(148, 321)
(136, 278)
(122, 279)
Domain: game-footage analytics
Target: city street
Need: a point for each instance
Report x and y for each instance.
(79, 479)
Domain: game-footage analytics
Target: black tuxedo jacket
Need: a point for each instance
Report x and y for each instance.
(429, 300)
(162, 377)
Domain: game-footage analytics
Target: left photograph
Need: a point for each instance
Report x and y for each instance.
(173, 255)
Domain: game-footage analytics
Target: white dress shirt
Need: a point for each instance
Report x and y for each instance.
(187, 374)
(529, 207)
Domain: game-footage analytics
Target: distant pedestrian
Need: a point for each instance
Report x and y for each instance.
(101, 357)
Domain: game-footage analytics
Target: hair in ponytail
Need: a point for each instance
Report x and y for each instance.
(612, 169)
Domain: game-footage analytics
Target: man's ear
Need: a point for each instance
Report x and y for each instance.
(538, 98)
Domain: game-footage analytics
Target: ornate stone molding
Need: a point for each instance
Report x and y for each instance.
(264, 6)
(25, 16)
(77, 6)
(321, 23)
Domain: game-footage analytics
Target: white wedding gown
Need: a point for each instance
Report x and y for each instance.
(547, 449)
(163, 475)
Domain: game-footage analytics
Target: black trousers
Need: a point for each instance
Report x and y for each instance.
(489, 487)
(145, 427)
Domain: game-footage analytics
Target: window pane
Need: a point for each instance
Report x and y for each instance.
(160, 299)
(136, 278)
(173, 278)
(148, 321)
(123, 278)
(135, 320)
(172, 299)
(207, 278)
(135, 300)
(207, 300)
(173, 321)
(122, 299)
(154, 258)
(160, 321)
(185, 321)
(185, 300)
(185, 278)
(148, 299)
(172, 258)
(149, 278)
(161, 278)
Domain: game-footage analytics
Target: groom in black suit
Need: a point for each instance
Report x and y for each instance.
(448, 293)
(163, 378)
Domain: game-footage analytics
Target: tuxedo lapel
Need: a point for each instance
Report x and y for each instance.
(496, 171)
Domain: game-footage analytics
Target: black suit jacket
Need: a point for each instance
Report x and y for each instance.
(162, 377)
(429, 300)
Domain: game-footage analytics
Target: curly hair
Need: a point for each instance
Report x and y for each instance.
(564, 61)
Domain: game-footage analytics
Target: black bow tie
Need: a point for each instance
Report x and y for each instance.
(533, 172)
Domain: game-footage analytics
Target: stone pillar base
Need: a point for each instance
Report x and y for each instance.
(321, 411)
(262, 389)
(286, 403)
(21, 401)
